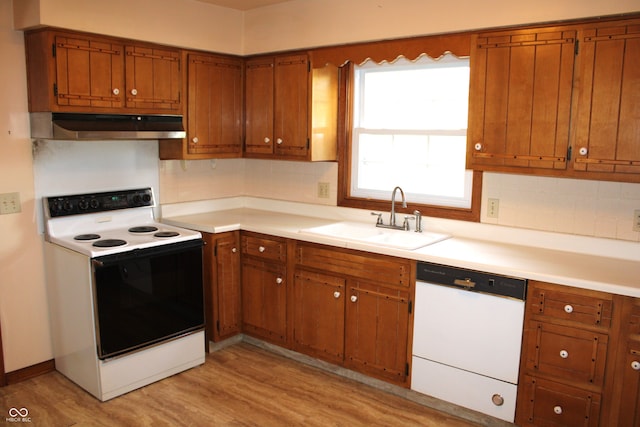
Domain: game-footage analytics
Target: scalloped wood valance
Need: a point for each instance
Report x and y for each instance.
(390, 50)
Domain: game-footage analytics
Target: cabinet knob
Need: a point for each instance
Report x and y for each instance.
(234, 250)
(564, 354)
(134, 92)
(583, 151)
(354, 298)
(336, 294)
(478, 146)
(116, 91)
(279, 141)
(261, 249)
(279, 280)
(497, 399)
(568, 308)
(195, 140)
(557, 409)
(267, 140)
(635, 365)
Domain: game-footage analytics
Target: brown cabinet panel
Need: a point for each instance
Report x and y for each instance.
(264, 300)
(376, 336)
(629, 374)
(153, 78)
(547, 403)
(291, 111)
(259, 95)
(319, 315)
(607, 126)
(267, 247)
(520, 99)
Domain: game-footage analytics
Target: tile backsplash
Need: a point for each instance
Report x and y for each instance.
(581, 207)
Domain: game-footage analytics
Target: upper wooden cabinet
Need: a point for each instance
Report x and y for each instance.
(78, 72)
(559, 101)
(290, 109)
(214, 109)
(520, 99)
(607, 124)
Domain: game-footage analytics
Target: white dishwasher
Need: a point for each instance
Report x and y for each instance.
(467, 338)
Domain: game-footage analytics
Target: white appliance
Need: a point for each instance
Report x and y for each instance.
(467, 338)
(125, 292)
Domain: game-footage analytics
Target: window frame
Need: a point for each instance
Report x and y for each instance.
(345, 152)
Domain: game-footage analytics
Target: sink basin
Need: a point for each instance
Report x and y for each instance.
(369, 233)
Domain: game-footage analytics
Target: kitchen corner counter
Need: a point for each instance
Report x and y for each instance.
(587, 271)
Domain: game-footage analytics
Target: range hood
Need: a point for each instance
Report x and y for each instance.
(81, 126)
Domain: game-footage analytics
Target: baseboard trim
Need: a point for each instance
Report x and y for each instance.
(32, 371)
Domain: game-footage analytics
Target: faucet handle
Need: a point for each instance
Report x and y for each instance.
(379, 220)
(418, 221)
(405, 223)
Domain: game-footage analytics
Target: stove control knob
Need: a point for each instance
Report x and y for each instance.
(67, 206)
(83, 205)
(146, 198)
(94, 203)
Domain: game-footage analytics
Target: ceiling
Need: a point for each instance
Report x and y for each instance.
(243, 4)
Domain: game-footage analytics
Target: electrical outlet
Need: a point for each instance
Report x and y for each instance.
(492, 208)
(9, 203)
(636, 220)
(323, 190)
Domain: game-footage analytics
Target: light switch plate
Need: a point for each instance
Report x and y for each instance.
(9, 203)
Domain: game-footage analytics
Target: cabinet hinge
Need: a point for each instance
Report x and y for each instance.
(406, 369)
(53, 50)
(576, 48)
(410, 306)
(569, 150)
(308, 67)
(308, 144)
(218, 326)
(215, 250)
(55, 89)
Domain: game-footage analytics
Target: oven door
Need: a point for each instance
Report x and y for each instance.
(146, 296)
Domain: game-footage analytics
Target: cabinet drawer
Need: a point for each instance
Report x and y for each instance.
(566, 352)
(587, 308)
(379, 268)
(547, 403)
(270, 248)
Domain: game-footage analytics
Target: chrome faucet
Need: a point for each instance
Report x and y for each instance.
(392, 219)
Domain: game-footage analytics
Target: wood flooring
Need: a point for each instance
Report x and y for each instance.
(240, 385)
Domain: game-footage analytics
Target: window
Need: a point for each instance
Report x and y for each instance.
(408, 129)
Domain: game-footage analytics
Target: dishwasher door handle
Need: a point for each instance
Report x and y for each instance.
(467, 283)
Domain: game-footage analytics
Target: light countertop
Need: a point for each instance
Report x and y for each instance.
(602, 272)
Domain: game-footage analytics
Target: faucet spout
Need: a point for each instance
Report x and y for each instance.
(392, 219)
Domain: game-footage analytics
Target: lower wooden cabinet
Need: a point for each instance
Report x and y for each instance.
(222, 285)
(580, 359)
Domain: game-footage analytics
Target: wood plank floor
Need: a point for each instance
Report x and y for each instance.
(241, 385)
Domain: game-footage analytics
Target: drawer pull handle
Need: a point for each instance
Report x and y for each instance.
(568, 308)
(564, 354)
(557, 409)
(336, 294)
(234, 250)
(261, 249)
(354, 298)
(635, 365)
(497, 399)
(279, 280)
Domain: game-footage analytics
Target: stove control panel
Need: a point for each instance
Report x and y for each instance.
(77, 204)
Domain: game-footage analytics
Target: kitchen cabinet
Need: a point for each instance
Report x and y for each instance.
(264, 287)
(290, 109)
(77, 72)
(608, 93)
(520, 99)
(568, 356)
(214, 109)
(222, 285)
(557, 101)
(368, 295)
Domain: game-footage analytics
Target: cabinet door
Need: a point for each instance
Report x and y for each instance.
(520, 100)
(227, 298)
(89, 72)
(259, 106)
(264, 300)
(291, 113)
(607, 127)
(153, 80)
(318, 322)
(376, 336)
(214, 106)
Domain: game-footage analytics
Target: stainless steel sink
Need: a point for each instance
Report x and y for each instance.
(369, 233)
